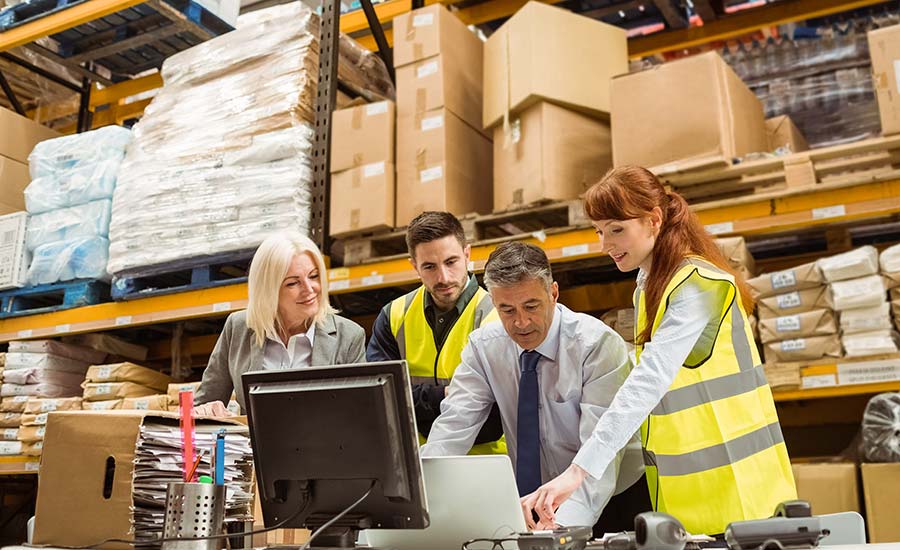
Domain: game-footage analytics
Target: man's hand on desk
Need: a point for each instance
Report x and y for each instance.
(213, 408)
(550, 495)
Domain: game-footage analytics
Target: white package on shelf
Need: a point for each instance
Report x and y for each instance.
(856, 293)
(78, 185)
(23, 360)
(66, 224)
(42, 376)
(41, 390)
(890, 259)
(878, 342)
(61, 349)
(866, 319)
(68, 260)
(14, 255)
(854, 264)
(59, 155)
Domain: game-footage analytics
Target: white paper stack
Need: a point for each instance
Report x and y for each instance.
(69, 200)
(890, 270)
(45, 368)
(158, 461)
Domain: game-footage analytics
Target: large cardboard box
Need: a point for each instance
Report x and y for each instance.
(818, 322)
(884, 49)
(828, 487)
(691, 113)
(429, 31)
(881, 484)
(362, 199)
(451, 81)
(522, 67)
(442, 164)
(19, 135)
(84, 455)
(362, 135)
(782, 132)
(552, 153)
(14, 178)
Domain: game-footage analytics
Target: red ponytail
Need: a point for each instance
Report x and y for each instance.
(630, 192)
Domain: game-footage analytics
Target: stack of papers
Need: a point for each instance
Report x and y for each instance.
(158, 462)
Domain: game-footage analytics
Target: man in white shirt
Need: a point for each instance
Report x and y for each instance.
(553, 373)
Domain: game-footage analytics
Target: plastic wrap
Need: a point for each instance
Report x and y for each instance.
(881, 428)
(878, 342)
(79, 185)
(890, 259)
(854, 264)
(67, 224)
(856, 293)
(55, 157)
(68, 260)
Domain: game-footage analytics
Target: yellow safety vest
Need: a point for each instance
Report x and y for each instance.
(416, 342)
(713, 447)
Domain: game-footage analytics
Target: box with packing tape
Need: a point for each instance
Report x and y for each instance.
(881, 485)
(128, 372)
(363, 199)
(818, 322)
(788, 280)
(784, 134)
(828, 487)
(803, 349)
(362, 134)
(791, 303)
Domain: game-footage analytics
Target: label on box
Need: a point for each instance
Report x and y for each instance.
(20, 399)
(63, 328)
(431, 174)
(870, 372)
(103, 373)
(423, 20)
(49, 406)
(379, 108)
(858, 324)
(41, 431)
(788, 323)
(11, 434)
(41, 418)
(897, 73)
(221, 306)
(783, 279)
(34, 466)
(793, 345)
(720, 228)
(829, 212)
(818, 381)
(372, 280)
(374, 169)
(25, 333)
(343, 284)
(102, 389)
(123, 320)
(575, 250)
(141, 405)
(432, 122)
(338, 273)
(789, 300)
(10, 447)
(427, 69)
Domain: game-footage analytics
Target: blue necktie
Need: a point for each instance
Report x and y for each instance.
(528, 439)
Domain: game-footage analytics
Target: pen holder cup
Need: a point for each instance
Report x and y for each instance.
(194, 510)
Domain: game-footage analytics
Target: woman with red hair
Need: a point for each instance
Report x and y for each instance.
(713, 448)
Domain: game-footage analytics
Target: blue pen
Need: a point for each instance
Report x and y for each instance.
(220, 458)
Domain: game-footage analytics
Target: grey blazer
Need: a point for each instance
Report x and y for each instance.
(338, 341)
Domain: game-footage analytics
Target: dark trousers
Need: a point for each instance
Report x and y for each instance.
(619, 513)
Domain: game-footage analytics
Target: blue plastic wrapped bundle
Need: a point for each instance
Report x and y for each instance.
(56, 156)
(78, 185)
(84, 258)
(66, 224)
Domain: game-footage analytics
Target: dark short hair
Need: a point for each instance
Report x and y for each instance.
(514, 262)
(431, 226)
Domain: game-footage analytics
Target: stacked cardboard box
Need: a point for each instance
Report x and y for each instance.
(362, 168)
(18, 136)
(884, 48)
(881, 484)
(829, 487)
(796, 317)
(783, 136)
(859, 294)
(548, 103)
(34, 421)
(122, 381)
(443, 158)
(890, 270)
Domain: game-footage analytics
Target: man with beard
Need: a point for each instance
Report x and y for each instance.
(429, 327)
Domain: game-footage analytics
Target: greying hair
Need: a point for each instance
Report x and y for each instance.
(514, 262)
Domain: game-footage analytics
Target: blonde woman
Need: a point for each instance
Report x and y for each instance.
(288, 323)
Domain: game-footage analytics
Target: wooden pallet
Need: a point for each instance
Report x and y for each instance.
(480, 229)
(52, 297)
(873, 159)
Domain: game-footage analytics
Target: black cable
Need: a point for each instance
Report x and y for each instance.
(337, 517)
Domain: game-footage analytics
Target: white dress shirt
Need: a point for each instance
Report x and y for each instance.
(297, 353)
(583, 364)
(688, 314)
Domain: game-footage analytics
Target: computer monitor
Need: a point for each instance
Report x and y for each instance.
(322, 436)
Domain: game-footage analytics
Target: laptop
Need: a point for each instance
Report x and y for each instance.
(468, 497)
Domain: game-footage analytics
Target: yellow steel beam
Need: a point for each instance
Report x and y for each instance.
(836, 391)
(62, 20)
(367, 41)
(19, 465)
(492, 10)
(386, 11)
(124, 89)
(198, 345)
(741, 23)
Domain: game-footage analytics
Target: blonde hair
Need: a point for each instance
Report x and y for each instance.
(267, 271)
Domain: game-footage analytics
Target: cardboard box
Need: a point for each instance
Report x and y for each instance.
(128, 372)
(31, 434)
(10, 420)
(42, 405)
(828, 487)
(14, 255)
(363, 199)
(782, 375)
(14, 178)
(362, 135)
(442, 164)
(551, 153)
(14, 404)
(881, 484)
(109, 405)
(791, 303)
(686, 114)
(110, 345)
(796, 278)
(884, 49)
(115, 391)
(450, 81)
(738, 255)
(819, 322)
(75, 467)
(782, 132)
(178, 387)
(803, 349)
(149, 403)
(19, 135)
(522, 67)
(33, 449)
(427, 32)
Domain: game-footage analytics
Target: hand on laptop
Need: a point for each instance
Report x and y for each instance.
(213, 408)
(550, 495)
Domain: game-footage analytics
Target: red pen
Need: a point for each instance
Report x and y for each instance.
(186, 402)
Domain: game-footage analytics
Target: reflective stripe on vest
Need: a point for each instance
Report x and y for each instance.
(713, 446)
(415, 341)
